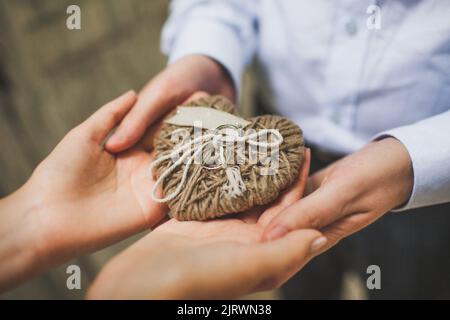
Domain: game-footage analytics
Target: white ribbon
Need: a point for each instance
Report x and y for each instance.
(190, 150)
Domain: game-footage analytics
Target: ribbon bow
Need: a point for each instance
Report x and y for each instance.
(190, 150)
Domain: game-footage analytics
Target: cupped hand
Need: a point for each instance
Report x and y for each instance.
(220, 258)
(168, 89)
(86, 198)
(350, 194)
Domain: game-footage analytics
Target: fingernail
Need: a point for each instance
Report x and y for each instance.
(318, 244)
(276, 233)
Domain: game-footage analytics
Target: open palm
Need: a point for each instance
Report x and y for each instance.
(242, 228)
(219, 258)
(91, 197)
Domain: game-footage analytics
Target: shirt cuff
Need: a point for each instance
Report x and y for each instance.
(212, 39)
(423, 149)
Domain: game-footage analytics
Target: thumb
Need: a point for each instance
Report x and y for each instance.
(100, 124)
(151, 105)
(196, 95)
(315, 211)
(147, 140)
(284, 257)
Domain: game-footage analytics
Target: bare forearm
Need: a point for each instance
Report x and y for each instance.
(18, 254)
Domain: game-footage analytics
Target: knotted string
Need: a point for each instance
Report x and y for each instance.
(190, 150)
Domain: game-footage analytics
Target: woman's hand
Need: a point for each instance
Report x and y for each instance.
(168, 89)
(214, 259)
(351, 193)
(79, 199)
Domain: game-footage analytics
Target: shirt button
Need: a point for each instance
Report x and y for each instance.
(351, 28)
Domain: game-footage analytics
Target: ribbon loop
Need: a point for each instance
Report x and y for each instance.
(190, 150)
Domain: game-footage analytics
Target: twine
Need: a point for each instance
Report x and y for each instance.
(190, 150)
(194, 193)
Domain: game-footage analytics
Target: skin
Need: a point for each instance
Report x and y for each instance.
(350, 194)
(214, 259)
(171, 87)
(79, 199)
(341, 199)
(82, 198)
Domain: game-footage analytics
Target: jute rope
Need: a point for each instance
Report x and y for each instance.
(195, 193)
(192, 149)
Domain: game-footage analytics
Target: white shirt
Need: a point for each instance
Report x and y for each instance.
(330, 69)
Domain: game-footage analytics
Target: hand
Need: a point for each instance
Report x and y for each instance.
(79, 199)
(351, 193)
(212, 259)
(167, 90)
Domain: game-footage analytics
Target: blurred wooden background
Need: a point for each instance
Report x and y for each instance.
(52, 78)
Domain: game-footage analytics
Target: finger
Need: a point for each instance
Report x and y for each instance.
(296, 192)
(315, 211)
(317, 179)
(147, 141)
(100, 124)
(196, 95)
(277, 261)
(292, 194)
(153, 102)
(347, 226)
(252, 215)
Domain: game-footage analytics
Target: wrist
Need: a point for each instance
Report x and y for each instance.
(403, 177)
(396, 170)
(377, 178)
(19, 229)
(203, 73)
(225, 85)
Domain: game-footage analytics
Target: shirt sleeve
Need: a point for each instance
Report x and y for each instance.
(224, 30)
(428, 144)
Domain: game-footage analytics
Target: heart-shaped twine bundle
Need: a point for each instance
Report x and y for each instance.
(205, 173)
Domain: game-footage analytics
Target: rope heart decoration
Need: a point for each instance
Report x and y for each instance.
(211, 171)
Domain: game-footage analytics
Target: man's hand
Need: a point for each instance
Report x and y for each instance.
(220, 258)
(171, 87)
(79, 199)
(351, 193)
